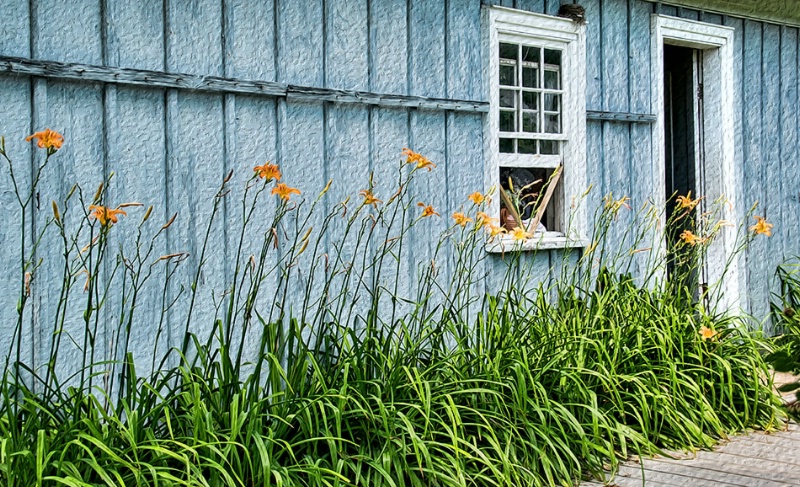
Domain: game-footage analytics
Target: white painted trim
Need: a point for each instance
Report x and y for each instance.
(568, 36)
(717, 44)
(540, 241)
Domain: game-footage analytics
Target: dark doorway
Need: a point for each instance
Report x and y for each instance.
(683, 138)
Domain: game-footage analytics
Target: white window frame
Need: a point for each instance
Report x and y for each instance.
(519, 27)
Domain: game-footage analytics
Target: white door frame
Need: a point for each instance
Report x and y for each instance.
(720, 182)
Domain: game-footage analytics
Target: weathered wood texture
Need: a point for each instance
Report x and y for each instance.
(756, 460)
(171, 95)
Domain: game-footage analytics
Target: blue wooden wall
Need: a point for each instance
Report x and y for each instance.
(171, 147)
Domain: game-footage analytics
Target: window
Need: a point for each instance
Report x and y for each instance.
(536, 127)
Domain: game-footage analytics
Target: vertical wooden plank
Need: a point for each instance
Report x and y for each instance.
(348, 166)
(753, 160)
(594, 56)
(300, 42)
(427, 67)
(531, 5)
(771, 150)
(73, 37)
(687, 13)
(251, 127)
(465, 66)
(346, 41)
(250, 39)
(389, 133)
(742, 203)
(15, 98)
(551, 6)
(465, 145)
(301, 148)
(388, 60)
(788, 162)
(195, 165)
(668, 10)
(134, 151)
(135, 34)
(710, 18)
(427, 52)
(15, 32)
(428, 136)
(135, 131)
(195, 34)
(75, 110)
(614, 32)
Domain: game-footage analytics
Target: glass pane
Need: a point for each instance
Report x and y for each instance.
(530, 101)
(552, 103)
(552, 124)
(527, 146)
(508, 121)
(508, 98)
(508, 51)
(549, 147)
(530, 77)
(530, 121)
(508, 75)
(530, 54)
(552, 57)
(551, 80)
(507, 146)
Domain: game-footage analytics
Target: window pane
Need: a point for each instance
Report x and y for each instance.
(508, 121)
(549, 147)
(530, 121)
(552, 57)
(508, 98)
(552, 124)
(530, 77)
(552, 103)
(508, 51)
(530, 54)
(551, 80)
(527, 146)
(508, 75)
(507, 146)
(530, 100)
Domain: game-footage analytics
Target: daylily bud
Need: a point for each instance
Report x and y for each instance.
(98, 193)
(147, 213)
(169, 223)
(56, 214)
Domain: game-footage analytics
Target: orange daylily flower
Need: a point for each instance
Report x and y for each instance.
(690, 238)
(284, 191)
(461, 219)
(476, 198)
(519, 233)
(47, 139)
(707, 333)
(369, 198)
(421, 161)
(762, 227)
(268, 171)
(495, 230)
(106, 216)
(484, 220)
(686, 202)
(427, 210)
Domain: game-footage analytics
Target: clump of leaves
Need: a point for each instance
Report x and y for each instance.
(784, 311)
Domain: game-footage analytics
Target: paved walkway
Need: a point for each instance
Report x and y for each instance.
(755, 460)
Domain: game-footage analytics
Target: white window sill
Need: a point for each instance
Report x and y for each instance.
(539, 241)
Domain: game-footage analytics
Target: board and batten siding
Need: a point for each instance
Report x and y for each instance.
(170, 145)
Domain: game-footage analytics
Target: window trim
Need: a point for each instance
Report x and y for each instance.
(546, 31)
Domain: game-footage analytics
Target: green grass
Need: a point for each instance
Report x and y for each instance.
(449, 387)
